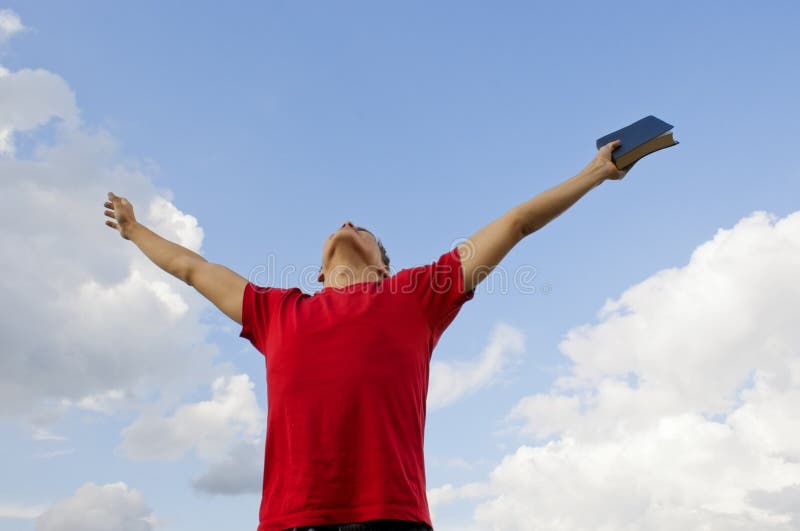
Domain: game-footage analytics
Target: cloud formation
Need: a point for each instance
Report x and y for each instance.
(452, 380)
(209, 426)
(31, 98)
(87, 321)
(10, 25)
(241, 472)
(20, 511)
(680, 410)
(99, 508)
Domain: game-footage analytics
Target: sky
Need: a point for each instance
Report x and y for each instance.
(635, 364)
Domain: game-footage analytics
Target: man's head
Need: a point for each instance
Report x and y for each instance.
(352, 250)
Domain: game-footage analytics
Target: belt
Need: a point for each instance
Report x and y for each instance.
(372, 525)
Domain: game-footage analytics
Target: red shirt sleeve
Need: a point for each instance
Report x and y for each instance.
(439, 288)
(258, 304)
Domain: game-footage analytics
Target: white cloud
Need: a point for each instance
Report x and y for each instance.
(10, 25)
(682, 473)
(6, 141)
(210, 426)
(54, 453)
(20, 511)
(681, 407)
(452, 380)
(31, 98)
(167, 220)
(785, 502)
(99, 508)
(448, 493)
(730, 310)
(87, 320)
(105, 402)
(241, 472)
(769, 418)
(41, 434)
(548, 414)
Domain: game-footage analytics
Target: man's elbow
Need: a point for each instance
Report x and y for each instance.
(185, 269)
(518, 226)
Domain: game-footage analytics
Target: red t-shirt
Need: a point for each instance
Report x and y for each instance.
(347, 381)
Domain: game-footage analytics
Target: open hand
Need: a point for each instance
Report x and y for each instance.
(121, 211)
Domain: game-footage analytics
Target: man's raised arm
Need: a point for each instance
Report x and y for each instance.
(484, 250)
(215, 282)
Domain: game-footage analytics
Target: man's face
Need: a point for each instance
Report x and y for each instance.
(358, 239)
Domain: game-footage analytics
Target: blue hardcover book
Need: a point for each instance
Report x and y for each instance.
(641, 138)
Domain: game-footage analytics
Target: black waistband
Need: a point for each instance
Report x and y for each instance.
(372, 525)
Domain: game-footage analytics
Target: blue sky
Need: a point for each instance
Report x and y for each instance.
(264, 125)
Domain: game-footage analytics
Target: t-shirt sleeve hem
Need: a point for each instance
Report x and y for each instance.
(247, 312)
(463, 295)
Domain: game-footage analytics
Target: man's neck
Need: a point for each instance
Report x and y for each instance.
(343, 275)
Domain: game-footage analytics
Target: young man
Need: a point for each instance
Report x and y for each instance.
(347, 367)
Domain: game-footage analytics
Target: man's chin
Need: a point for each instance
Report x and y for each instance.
(345, 245)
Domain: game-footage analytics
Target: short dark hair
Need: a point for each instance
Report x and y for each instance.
(384, 254)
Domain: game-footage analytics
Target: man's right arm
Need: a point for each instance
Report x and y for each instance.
(222, 286)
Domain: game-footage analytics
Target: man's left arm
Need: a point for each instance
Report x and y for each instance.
(484, 250)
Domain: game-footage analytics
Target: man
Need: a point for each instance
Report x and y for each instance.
(347, 367)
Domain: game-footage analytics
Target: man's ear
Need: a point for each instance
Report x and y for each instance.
(385, 271)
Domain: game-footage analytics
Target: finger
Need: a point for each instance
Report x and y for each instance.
(110, 214)
(112, 224)
(108, 204)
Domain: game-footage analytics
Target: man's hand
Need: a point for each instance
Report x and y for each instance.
(603, 167)
(215, 282)
(121, 211)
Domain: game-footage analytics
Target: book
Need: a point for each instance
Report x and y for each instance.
(640, 138)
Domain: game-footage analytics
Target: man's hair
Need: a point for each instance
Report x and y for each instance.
(384, 254)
